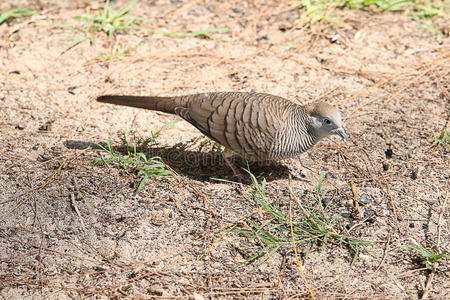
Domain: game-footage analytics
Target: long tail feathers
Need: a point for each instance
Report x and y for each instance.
(164, 104)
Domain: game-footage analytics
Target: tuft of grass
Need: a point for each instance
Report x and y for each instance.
(118, 52)
(443, 140)
(16, 13)
(111, 22)
(204, 34)
(315, 11)
(419, 10)
(314, 229)
(106, 20)
(133, 160)
(426, 255)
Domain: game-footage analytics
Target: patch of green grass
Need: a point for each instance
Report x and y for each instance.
(133, 160)
(443, 140)
(111, 22)
(205, 34)
(118, 52)
(106, 20)
(420, 10)
(315, 228)
(426, 255)
(317, 10)
(16, 13)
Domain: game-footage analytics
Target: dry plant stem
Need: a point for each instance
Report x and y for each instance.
(444, 91)
(41, 245)
(441, 216)
(397, 75)
(193, 187)
(168, 254)
(122, 295)
(229, 228)
(180, 180)
(299, 263)
(49, 250)
(75, 207)
(355, 195)
(38, 91)
(386, 251)
(49, 179)
(433, 149)
(61, 287)
(396, 94)
(427, 288)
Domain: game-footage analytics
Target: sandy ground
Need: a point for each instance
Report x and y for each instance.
(71, 229)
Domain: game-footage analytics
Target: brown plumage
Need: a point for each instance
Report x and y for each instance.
(256, 126)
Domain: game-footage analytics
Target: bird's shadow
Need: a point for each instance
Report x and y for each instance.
(198, 165)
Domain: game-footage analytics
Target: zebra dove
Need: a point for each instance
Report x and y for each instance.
(255, 126)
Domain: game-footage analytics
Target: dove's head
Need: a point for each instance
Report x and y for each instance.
(325, 120)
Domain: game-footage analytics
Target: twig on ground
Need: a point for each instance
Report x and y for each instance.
(49, 179)
(427, 288)
(75, 207)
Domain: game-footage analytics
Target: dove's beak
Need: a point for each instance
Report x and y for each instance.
(341, 132)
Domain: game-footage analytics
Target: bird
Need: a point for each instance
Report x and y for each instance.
(259, 127)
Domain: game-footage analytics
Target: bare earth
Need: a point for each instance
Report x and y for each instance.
(71, 229)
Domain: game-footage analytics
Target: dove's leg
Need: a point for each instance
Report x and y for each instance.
(243, 179)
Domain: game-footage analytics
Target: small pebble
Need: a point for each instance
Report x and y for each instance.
(335, 38)
(346, 215)
(100, 268)
(325, 201)
(283, 28)
(370, 220)
(364, 200)
(43, 158)
(43, 127)
(411, 225)
(388, 153)
(349, 226)
(385, 166)
(20, 127)
(368, 213)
